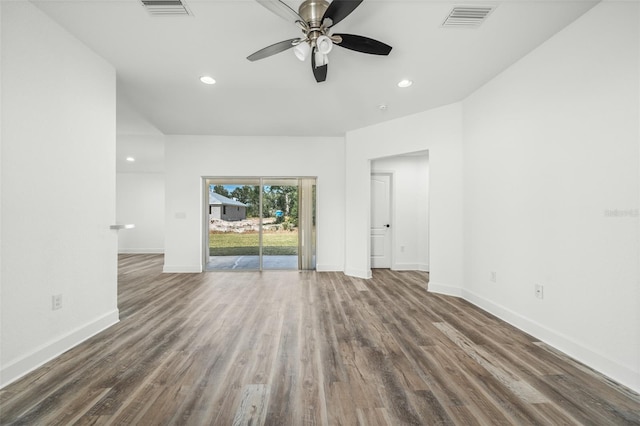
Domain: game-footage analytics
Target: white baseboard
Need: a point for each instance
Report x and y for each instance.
(565, 344)
(45, 353)
(177, 269)
(410, 267)
(141, 251)
(329, 268)
(445, 289)
(358, 273)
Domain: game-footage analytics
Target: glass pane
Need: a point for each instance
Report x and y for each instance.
(280, 223)
(234, 224)
(307, 224)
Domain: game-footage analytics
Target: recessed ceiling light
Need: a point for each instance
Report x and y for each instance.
(131, 159)
(207, 79)
(382, 107)
(405, 83)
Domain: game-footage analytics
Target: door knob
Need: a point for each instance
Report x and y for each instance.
(387, 225)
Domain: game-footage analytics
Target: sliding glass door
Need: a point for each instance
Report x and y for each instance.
(280, 223)
(233, 212)
(260, 223)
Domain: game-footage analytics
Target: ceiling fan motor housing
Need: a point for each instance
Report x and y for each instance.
(312, 12)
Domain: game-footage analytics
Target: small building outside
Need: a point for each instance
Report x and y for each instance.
(221, 207)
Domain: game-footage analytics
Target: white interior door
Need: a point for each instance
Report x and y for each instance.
(380, 221)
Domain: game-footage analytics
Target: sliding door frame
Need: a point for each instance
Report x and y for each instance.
(204, 190)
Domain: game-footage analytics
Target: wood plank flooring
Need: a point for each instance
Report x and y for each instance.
(307, 348)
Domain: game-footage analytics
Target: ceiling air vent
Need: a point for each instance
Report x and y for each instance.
(165, 7)
(467, 16)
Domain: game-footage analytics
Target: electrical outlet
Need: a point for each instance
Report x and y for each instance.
(493, 277)
(56, 302)
(539, 291)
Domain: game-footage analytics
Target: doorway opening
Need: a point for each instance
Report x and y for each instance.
(255, 224)
(399, 218)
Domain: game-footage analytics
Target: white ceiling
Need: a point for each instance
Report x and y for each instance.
(159, 61)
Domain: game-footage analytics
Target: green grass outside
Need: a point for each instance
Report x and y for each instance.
(232, 244)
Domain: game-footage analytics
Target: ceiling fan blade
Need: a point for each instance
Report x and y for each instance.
(320, 73)
(340, 9)
(281, 9)
(363, 44)
(273, 49)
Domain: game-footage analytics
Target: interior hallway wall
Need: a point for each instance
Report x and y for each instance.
(140, 196)
(58, 191)
(140, 201)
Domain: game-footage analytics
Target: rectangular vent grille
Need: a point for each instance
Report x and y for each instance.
(165, 7)
(467, 16)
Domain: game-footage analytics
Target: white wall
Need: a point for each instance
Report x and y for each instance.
(410, 213)
(58, 190)
(551, 150)
(140, 187)
(439, 132)
(140, 201)
(1, 192)
(189, 158)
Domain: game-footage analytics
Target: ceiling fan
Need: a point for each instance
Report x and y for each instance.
(316, 18)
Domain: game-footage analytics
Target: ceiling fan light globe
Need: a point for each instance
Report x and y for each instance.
(302, 51)
(321, 59)
(324, 44)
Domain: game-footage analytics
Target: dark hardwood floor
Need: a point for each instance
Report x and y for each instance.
(307, 348)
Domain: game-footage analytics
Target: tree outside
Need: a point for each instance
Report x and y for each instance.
(280, 231)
